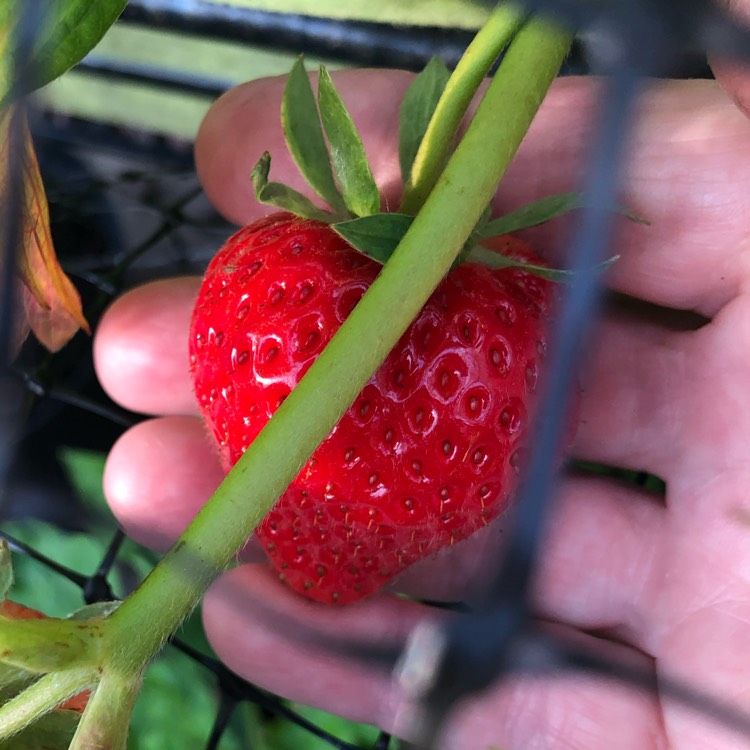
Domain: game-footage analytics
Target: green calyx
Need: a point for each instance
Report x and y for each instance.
(329, 153)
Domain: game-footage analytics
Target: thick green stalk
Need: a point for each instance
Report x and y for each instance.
(425, 255)
(471, 70)
(104, 722)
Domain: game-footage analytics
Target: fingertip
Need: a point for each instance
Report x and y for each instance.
(141, 348)
(228, 145)
(245, 122)
(158, 475)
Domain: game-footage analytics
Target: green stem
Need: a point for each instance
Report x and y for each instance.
(105, 721)
(471, 70)
(425, 255)
(45, 695)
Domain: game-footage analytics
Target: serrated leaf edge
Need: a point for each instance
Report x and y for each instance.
(299, 110)
(348, 156)
(551, 207)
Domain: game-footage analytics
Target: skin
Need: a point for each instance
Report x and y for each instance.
(664, 582)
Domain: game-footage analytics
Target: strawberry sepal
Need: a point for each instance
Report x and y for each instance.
(375, 236)
(283, 197)
(304, 138)
(541, 211)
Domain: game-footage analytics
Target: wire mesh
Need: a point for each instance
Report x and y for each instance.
(136, 201)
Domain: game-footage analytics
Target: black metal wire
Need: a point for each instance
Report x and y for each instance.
(149, 75)
(97, 587)
(488, 638)
(227, 704)
(16, 545)
(355, 42)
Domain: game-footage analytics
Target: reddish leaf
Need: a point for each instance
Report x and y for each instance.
(51, 302)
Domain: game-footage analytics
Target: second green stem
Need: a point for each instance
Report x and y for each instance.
(471, 70)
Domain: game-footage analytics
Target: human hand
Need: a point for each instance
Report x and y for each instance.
(662, 392)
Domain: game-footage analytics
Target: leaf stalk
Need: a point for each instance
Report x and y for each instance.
(469, 74)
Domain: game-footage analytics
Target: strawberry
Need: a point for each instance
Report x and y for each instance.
(428, 452)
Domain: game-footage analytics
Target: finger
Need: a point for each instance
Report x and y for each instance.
(245, 122)
(178, 469)
(699, 604)
(601, 554)
(523, 713)
(564, 710)
(629, 388)
(716, 408)
(688, 164)
(141, 348)
(707, 650)
(633, 385)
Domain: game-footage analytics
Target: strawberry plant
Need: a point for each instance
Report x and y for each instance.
(429, 451)
(443, 213)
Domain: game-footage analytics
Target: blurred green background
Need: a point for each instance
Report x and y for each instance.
(180, 114)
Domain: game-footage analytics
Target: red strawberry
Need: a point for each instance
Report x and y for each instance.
(428, 452)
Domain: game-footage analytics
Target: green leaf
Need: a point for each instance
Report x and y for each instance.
(304, 137)
(496, 261)
(175, 680)
(281, 196)
(6, 569)
(48, 644)
(349, 159)
(417, 108)
(13, 680)
(376, 236)
(544, 210)
(52, 732)
(69, 30)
